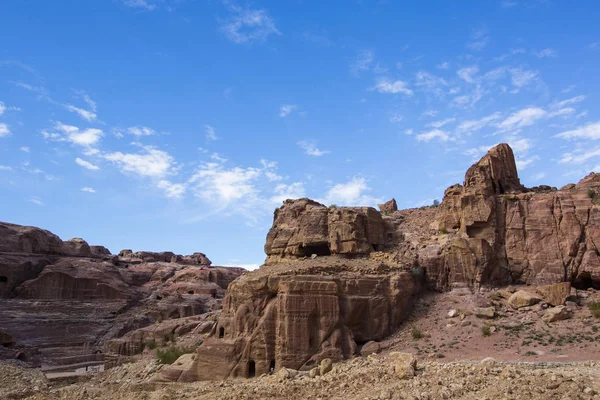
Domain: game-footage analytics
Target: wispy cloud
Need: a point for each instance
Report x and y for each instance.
(150, 162)
(140, 4)
(140, 131)
(394, 87)
(88, 190)
(589, 131)
(441, 123)
(35, 200)
(86, 164)
(545, 53)
(310, 148)
(86, 137)
(24, 149)
(248, 26)
(4, 130)
(85, 114)
(286, 109)
(479, 40)
(210, 133)
(438, 134)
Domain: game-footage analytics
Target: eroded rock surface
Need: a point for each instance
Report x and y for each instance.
(66, 298)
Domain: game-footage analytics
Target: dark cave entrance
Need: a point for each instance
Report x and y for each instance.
(251, 369)
(272, 366)
(320, 249)
(376, 247)
(584, 281)
(221, 332)
(3, 279)
(211, 277)
(190, 292)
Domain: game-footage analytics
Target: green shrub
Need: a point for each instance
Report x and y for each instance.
(443, 230)
(436, 203)
(151, 344)
(485, 330)
(591, 193)
(595, 308)
(171, 354)
(530, 353)
(416, 333)
(439, 355)
(418, 272)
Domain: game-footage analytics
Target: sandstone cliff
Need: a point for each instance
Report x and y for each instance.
(65, 298)
(336, 278)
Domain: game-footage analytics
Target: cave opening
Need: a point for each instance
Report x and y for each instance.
(320, 249)
(376, 247)
(251, 369)
(584, 281)
(211, 277)
(190, 292)
(3, 279)
(221, 332)
(272, 366)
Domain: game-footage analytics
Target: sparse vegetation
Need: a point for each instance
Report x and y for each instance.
(171, 354)
(591, 193)
(439, 355)
(595, 308)
(151, 344)
(443, 230)
(416, 333)
(418, 272)
(485, 330)
(333, 206)
(530, 353)
(436, 203)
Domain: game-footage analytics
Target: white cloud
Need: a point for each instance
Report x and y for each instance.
(217, 184)
(73, 134)
(408, 131)
(36, 200)
(172, 190)
(25, 149)
(431, 83)
(572, 100)
(589, 131)
(468, 73)
(444, 65)
(140, 131)
(286, 109)
(580, 156)
(86, 164)
(88, 190)
(5, 168)
(469, 100)
(141, 4)
(151, 163)
(85, 114)
(526, 162)
(429, 113)
(476, 125)
(433, 134)
(4, 130)
(2, 108)
(310, 148)
(522, 77)
(249, 26)
(439, 124)
(210, 133)
(386, 86)
(351, 193)
(521, 118)
(283, 192)
(508, 4)
(545, 53)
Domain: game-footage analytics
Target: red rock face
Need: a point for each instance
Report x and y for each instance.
(294, 321)
(304, 227)
(60, 298)
(501, 233)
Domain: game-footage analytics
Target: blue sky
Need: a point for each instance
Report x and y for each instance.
(180, 125)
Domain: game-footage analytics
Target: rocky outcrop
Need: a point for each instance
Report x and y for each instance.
(304, 227)
(62, 298)
(276, 318)
(388, 207)
(500, 232)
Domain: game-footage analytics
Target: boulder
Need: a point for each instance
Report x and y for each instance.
(558, 313)
(371, 347)
(485, 312)
(523, 298)
(555, 294)
(325, 366)
(404, 364)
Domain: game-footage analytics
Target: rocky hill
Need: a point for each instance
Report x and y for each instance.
(66, 299)
(337, 278)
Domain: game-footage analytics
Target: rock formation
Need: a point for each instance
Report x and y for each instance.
(60, 298)
(336, 278)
